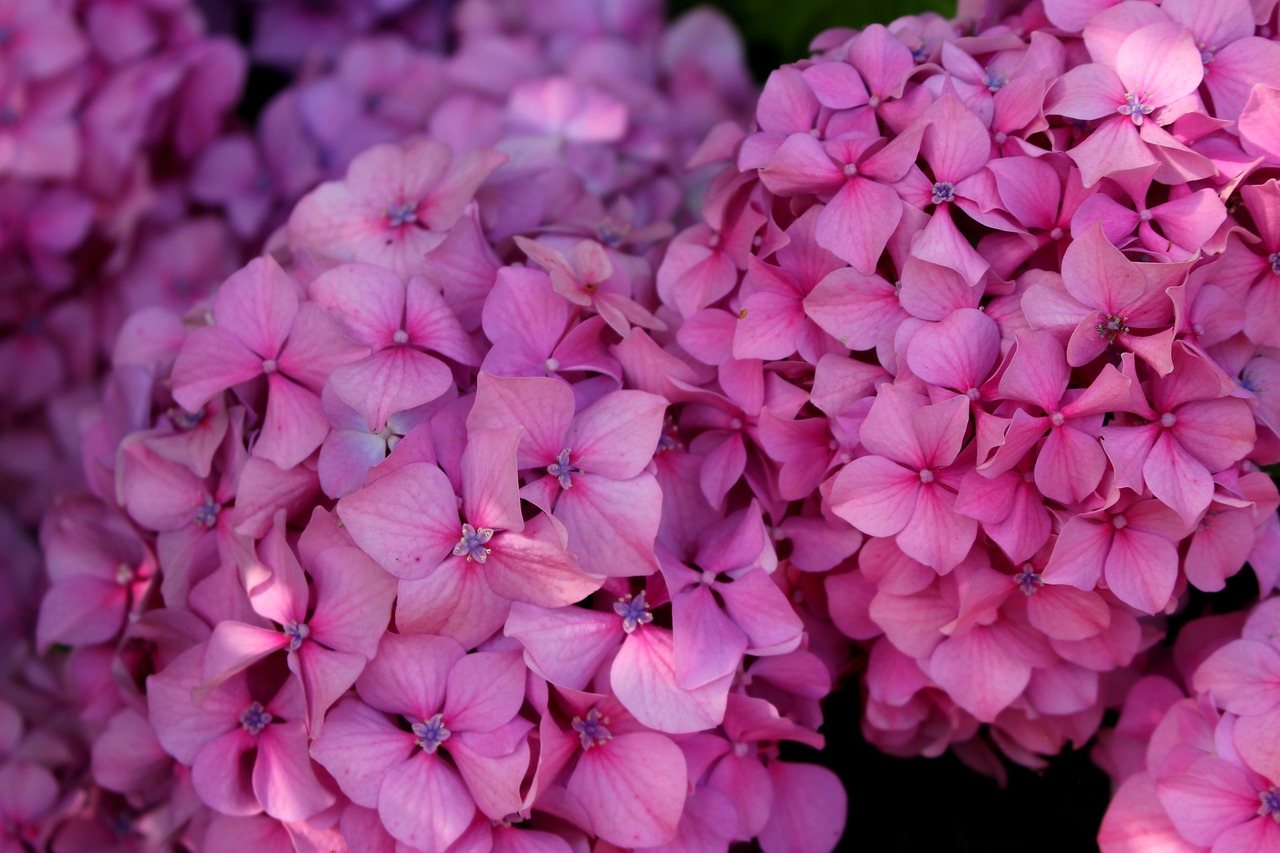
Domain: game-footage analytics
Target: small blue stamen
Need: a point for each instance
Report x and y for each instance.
(296, 632)
(943, 191)
(472, 543)
(1207, 54)
(207, 512)
(431, 733)
(634, 612)
(183, 419)
(995, 79)
(1274, 260)
(255, 718)
(592, 731)
(1135, 106)
(399, 214)
(1028, 580)
(1270, 803)
(562, 470)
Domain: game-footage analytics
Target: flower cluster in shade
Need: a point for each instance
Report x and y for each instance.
(106, 106)
(397, 542)
(993, 314)
(1193, 753)
(504, 504)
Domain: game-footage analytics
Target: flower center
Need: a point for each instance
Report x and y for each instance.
(430, 733)
(269, 365)
(562, 470)
(1111, 325)
(1119, 522)
(401, 336)
(1270, 803)
(1274, 260)
(207, 512)
(591, 731)
(1168, 419)
(634, 611)
(1056, 234)
(926, 476)
(183, 419)
(124, 574)
(1028, 580)
(255, 718)
(995, 80)
(296, 632)
(943, 191)
(551, 365)
(472, 544)
(1207, 53)
(1000, 137)
(1135, 106)
(402, 213)
(850, 170)
(1057, 419)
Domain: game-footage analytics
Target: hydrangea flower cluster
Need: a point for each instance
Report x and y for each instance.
(104, 108)
(397, 538)
(503, 503)
(1010, 288)
(1194, 756)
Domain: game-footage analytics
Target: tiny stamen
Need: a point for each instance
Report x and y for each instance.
(430, 733)
(943, 191)
(472, 543)
(562, 470)
(1028, 580)
(1110, 326)
(296, 632)
(634, 611)
(255, 718)
(402, 213)
(591, 731)
(1136, 107)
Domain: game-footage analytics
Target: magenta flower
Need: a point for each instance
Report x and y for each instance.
(1134, 91)
(408, 522)
(1193, 431)
(260, 328)
(329, 627)
(1130, 547)
(246, 756)
(396, 322)
(595, 461)
(395, 205)
(465, 706)
(906, 488)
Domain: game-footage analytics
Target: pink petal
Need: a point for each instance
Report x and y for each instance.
(490, 481)
(366, 300)
(707, 644)
(257, 304)
(809, 809)
(612, 524)
(294, 426)
(407, 521)
(536, 571)
(454, 601)
(1207, 799)
(957, 352)
(424, 803)
(1244, 677)
(633, 787)
(389, 381)
(1079, 554)
(358, 746)
(284, 778)
(979, 673)
(493, 780)
(564, 646)
(875, 495)
(409, 674)
(1141, 569)
(353, 600)
(210, 360)
(221, 777)
(616, 436)
(858, 221)
(485, 691)
(1161, 61)
(644, 679)
(542, 406)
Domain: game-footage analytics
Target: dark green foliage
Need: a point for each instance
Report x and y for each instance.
(779, 31)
